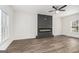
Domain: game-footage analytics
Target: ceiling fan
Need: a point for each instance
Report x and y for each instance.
(57, 9)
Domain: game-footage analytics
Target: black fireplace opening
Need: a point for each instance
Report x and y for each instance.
(44, 30)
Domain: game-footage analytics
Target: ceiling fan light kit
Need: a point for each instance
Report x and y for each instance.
(57, 11)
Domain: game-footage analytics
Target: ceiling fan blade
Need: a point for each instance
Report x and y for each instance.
(54, 7)
(61, 10)
(51, 11)
(62, 7)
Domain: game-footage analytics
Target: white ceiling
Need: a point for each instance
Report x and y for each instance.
(33, 8)
(70, 9)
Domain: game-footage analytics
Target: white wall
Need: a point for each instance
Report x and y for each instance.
(67, 25)
(56, 25)
(9, 11)
(25, 25)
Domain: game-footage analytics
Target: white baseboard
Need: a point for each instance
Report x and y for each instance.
(57, 34)
(4, 45)
(21, 38)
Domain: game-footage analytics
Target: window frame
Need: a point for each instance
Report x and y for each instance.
(75, 28)
(5, 20)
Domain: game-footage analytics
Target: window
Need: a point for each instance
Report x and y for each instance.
(4, 26)
(75, 26)
(0, 26)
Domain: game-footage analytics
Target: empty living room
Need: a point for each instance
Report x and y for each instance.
(39, 28)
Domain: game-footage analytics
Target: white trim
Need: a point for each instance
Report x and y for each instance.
(4, 45)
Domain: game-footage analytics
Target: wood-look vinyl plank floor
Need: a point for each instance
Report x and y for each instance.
(58, 44)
